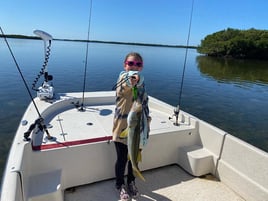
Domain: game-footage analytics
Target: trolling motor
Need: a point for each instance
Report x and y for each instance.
(46, 91)
(176, 114)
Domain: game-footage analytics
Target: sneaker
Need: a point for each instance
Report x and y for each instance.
(123, 194)
(133, 190)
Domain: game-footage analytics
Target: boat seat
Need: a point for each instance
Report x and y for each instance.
(46, 186)
(196, 160)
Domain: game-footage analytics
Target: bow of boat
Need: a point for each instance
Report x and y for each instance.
(77, 150)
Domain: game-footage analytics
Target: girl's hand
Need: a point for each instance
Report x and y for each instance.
(134, 79)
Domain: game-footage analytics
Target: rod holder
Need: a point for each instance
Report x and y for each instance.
(176, 114)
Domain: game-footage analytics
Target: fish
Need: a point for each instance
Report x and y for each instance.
(133, 133)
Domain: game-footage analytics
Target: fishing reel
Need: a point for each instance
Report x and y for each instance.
(176, 114)
(39, 123)
(46, 91)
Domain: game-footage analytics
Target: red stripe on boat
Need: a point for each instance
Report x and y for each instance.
(70, 143)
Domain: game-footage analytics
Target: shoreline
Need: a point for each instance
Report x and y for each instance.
(97, 41)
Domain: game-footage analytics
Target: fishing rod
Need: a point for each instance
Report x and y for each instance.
(18, 68)
(40, 121)
(85, 69)
(177, 109)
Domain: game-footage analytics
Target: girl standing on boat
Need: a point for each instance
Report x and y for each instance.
(128, 80)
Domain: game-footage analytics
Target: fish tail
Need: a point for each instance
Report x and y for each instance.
(138, 174)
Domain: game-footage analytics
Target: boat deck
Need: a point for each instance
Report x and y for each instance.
(93, 124)
(168, 183)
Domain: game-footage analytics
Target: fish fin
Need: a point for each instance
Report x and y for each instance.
(138, 174)
(124, 133)
(136, 169)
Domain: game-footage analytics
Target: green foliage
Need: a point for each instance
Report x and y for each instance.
(248, 44)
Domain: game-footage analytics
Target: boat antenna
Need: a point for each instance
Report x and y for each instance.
(85, 69)
(177, 109)
(40, 121)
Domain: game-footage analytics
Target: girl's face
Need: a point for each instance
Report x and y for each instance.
(133, 64)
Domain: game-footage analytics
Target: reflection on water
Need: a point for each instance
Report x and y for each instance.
(235, 71)
(236, 97)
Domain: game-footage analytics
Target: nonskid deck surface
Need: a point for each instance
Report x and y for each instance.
(94, 124)
(169, 183)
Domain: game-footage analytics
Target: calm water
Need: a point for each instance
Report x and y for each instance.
(230, 94)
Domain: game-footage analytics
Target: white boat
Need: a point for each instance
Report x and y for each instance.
(68, 155)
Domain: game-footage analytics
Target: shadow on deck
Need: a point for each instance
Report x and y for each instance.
(168, 183)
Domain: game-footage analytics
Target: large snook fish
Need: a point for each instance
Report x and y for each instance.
(133, 133)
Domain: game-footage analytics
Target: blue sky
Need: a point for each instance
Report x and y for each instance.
(144, 21)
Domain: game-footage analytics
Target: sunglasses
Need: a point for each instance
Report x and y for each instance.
(134, 63)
